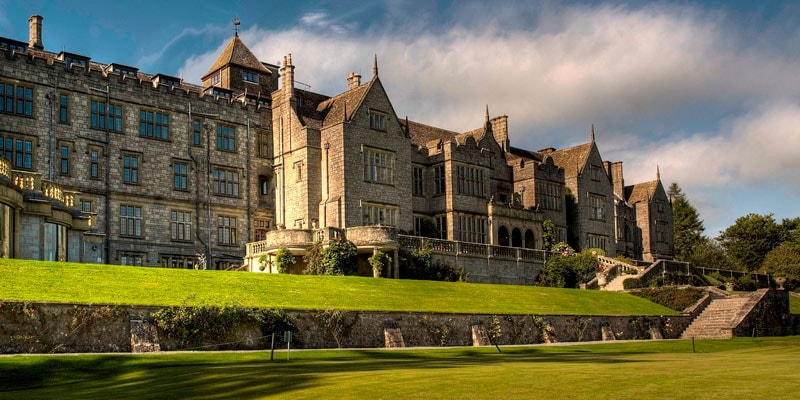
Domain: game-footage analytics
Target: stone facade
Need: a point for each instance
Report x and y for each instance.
(173, 173)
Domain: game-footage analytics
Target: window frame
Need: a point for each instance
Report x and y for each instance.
(180, 175)
(154, 124)
(379, 166)
(180, 222)
(130, 169)
(230, 187)
(226, 138)
(226, 230)
(135, 231)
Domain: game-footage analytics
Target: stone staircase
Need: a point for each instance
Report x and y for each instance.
(717, 320)
(616, 284)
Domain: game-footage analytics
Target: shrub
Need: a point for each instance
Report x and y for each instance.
(419, 264)
(378, 260)
(313, 259)
(284, 260)
(568, 271)
(631, 283)
(340, 258)
(744, 284)
(671, 297)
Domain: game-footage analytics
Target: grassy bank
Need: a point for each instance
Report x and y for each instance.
(742, 368)
(25, 280)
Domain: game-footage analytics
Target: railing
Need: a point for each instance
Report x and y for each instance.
(664, 267)
(26, 180)
(5, 167)
(473, 249)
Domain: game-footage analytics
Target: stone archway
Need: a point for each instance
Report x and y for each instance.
(502, 236)
(530, 241)
(516, 238)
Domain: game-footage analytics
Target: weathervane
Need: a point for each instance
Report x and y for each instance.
(236, 24)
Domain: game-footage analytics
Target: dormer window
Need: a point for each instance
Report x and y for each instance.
(12, 47)
(73, 59)
(216, 79)
(377, 120)
(247, 76)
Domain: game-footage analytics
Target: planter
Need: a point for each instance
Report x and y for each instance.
(780, 280)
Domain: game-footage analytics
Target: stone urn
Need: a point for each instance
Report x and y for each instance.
(602, 279)
(780, 280)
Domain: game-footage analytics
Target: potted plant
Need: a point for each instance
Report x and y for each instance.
(377, 261)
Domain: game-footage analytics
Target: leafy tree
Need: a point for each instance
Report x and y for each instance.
(571, 270)
(710, 254)
(313, 259)
(284, 260)
(750, 238)
(340, 258)
(784, 260)
(688, 228)
(548, 234)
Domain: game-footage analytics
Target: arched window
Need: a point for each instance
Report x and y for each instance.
(530, 243)
(516, 238)
(502, 236)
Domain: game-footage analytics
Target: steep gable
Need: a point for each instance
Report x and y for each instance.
(640, 192)
(341, 107)
(573, 159)
(236, 53)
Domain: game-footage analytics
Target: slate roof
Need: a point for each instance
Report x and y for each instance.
(307, 109)
(342, 106)
(515, 153)
(572, 159)
(236, 53)
(640, 192)
(421, 134)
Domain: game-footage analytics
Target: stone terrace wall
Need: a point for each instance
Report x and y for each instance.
(70, 328)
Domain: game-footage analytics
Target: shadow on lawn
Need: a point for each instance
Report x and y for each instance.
(254, 375)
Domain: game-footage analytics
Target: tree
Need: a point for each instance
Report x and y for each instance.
(688, 228)
(548, 234)
(784, 260)
(710, 254)
(750, 238)
(340, 258)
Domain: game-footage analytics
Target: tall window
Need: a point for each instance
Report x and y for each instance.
(438, 180)
(196, 133)
(180, 175)
(63, 109)
(470, 228)
(469, 180)
(441, 225)
(226, 182)
(263, 143)
(597, 241)
(378, 214)
(18, 150)
(226, 230)
(181, 225)
(419, 182)
(130, 168)
(216, 79)
(378, 166)
(549, 195)
(94, 163)
(226, 138)
(597, 207)
(106, 116)
(153, 125)
(377, 120)
(16, 99)
(130, 221)
(248, 76)
(64, 159)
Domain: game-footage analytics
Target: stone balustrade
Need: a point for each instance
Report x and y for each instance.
(5, 167)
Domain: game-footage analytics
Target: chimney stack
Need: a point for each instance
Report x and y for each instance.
(353, 80)
(35, 32)
(287, 73)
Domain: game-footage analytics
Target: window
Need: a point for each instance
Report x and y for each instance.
(134, 259)
(178, 261)
(378, 166)
(196, 133)
(153, 125)
(441, 225)
(377, 120)
(180, 175)
(65, 150)
(418, 223)
(216, 79)
(661, 233)
(130, 221)
(16, 99)
(180, 226)
(263, 185)
(106, 116)
(597, 207)
(261, 227)
(438, 180)
(298, 171)
(54, 242)
(419, 183)
(18, 150)
(94, 163)
(226, 182)
(469, 180)
(378, 214)
(263, 144)
(226, 138)
(130, 168)
(63, 109)
(470, 228)
(594, 172)
(226, 230)
(549, 195)
(248, 76)
(597, 241)
(86, 206)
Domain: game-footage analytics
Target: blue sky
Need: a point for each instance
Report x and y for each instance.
(708, 91)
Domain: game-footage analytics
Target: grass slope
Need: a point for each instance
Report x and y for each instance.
(741, 368)
(25, 280)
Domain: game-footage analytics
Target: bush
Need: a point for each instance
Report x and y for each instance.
(313, 259)
(284, 260)
(569, 271)
(631, 283)
(671, 297)
(744, 284)
(340, 258)
(419, 264)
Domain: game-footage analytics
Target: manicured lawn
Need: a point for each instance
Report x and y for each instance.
(742, 368)
(36, 281)
(794, 304)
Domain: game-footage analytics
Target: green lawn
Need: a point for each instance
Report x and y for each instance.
(25, 280)
(794, 304)
(741, 368)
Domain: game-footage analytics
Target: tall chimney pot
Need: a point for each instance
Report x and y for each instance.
(35, 32)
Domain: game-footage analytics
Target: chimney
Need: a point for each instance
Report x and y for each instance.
(353, 80)
(35, 32)
(287, 72)
(616, 178)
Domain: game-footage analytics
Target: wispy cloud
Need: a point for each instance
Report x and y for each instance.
(153, 58)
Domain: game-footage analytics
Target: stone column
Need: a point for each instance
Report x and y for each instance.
(396, 263)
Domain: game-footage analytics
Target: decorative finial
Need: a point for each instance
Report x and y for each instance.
(487, 113)
(592, 133)
(658, 173)
(375, 66)
(236, 24)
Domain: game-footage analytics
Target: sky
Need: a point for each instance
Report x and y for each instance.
(707, 91)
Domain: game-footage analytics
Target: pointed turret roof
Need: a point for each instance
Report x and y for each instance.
(236, 53)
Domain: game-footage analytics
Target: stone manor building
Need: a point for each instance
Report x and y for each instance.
(105, 163)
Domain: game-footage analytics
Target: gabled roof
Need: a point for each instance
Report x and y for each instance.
(342, 107)
(640, 192)
(572, 159)
(421, 134)
(236, 53)
(516, 152)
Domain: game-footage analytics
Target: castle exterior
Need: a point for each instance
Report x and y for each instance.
(105, 163)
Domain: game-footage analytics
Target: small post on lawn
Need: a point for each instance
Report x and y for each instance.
(693, 351)
(288, 336)
(272, 348)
